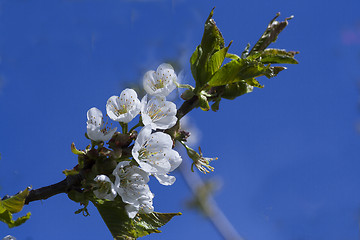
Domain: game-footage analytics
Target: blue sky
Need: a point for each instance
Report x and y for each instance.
(288, 153)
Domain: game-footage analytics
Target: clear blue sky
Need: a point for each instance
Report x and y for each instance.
(289, 155)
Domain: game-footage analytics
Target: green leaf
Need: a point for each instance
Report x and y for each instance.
(216, 60)
(274, 71)
(75, 151)
(215, 107)
(12, 205)
(15, 203)
(194, 61)
(237, 70)
(253, 82)
(208, 56)
(6, 217)
(122, 227)
(232, 56)
(271, 55)
(270, 35)
(212, 38)
(234, 90)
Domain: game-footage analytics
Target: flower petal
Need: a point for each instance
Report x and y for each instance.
(165, 179)
(132, 210)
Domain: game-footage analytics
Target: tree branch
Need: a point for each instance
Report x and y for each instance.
(186, 107)
(70, 182)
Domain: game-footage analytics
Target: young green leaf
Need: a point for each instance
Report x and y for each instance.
(122, 227)
(271, 55)
(253, 82)
(237, 70)
(234, 90)
(212, 38)
(232, 56)
(6, 217)
(15, 203)
(209, 55)
(12, 205)
(194, 61)
(216, 60)
(270, 35)
(74, 150)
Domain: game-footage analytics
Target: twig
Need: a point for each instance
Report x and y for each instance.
(70, 182)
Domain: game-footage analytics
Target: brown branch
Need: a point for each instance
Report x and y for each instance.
(70, 182)
(187, 106)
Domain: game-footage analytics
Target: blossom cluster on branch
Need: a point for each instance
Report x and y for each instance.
(152, 153)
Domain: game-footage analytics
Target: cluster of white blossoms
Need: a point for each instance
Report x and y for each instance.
(152, 151)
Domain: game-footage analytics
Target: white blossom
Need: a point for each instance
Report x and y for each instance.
(96, 129)
(162, 82)
(123, 108)
(105, 188)
(144, 205)
(131, 185)
(154, 154)
(9, 237)
(158, 113)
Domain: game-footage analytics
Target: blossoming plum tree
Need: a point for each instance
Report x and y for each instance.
(114, 170)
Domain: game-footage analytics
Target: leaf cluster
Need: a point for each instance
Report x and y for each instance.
(216, 80)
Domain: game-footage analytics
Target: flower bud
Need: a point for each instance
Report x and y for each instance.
(187, 95)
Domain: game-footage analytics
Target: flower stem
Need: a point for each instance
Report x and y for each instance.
(124, 127)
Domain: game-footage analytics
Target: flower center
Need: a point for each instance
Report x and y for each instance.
(159, 84)
(121, 110)
(103, 186)
(144, 153)
(154, 112)
(103, 126)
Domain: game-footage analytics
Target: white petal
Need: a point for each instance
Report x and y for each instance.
(158, 141)
(165, 179)
(131, 210)
(149, 82)
(117, 170)
(111, 107)
(108, 194)
(144, 135)
(94, 116)
(108, 135)
(161, 166)
(174, 159)
(146, 204)
(131, 182)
